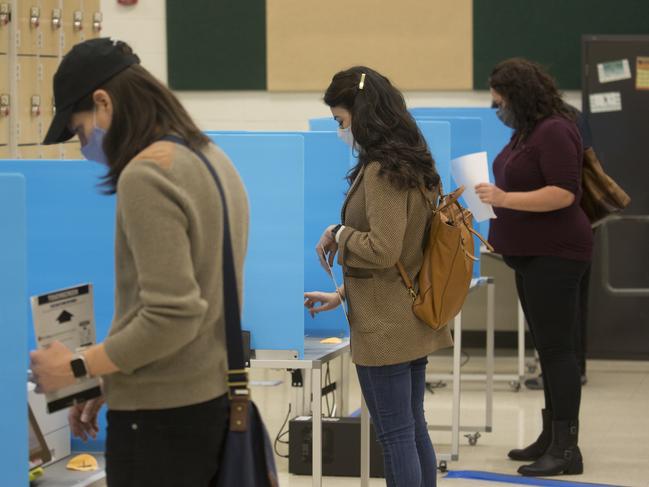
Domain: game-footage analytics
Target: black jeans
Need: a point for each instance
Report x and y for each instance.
(179, 447)
(549, 289)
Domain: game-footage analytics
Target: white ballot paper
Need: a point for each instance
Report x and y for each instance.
(468, 171)
(67, 316)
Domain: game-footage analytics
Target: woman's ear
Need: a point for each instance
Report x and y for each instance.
(102, 101)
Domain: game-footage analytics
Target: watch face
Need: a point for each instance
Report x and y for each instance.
(78, 367)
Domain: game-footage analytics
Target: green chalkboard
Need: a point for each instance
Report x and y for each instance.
(216, 44)
(548, 31)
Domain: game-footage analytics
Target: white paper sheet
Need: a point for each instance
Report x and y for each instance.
(606, 102)
(468, 171)
(614, 71)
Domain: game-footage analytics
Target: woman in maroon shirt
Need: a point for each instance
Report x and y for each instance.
(545, 237)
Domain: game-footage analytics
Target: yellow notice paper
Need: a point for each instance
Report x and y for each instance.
(83, 463)
(642, 73)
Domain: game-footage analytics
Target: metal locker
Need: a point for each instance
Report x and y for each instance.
(5, 152)
(94, 18)
(47, 69)
(72, 150)
(29, 103)
(5, 100)
(29, 36)
(52, 151)
(51, 27)
(5, 22)
(74, 20)
(29, 152)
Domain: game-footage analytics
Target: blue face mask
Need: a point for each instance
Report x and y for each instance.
(94, 148)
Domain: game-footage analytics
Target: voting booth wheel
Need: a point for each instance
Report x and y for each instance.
(473, 438)
(443, 467)
(532, 368)
(515, 385)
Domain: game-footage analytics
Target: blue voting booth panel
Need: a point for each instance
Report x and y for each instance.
(326, 162)
(13, 331)
(272, 169)
(70, 240)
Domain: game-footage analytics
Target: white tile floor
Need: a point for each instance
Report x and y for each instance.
(614, 423)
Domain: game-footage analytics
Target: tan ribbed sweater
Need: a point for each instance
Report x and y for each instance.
(168, 333)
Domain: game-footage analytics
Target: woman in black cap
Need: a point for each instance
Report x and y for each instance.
(164, 363)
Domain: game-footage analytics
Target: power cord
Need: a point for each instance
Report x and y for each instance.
(281, 434)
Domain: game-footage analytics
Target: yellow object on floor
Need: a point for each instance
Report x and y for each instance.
(83, 463)
(332, 340)
(35, 473)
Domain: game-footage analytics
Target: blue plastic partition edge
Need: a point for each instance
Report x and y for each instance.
(13, 331)
(518, 480)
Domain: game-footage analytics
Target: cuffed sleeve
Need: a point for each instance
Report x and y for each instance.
(153, 218)
(386, 211)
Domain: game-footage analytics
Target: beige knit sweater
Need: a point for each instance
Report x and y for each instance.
(168, 333)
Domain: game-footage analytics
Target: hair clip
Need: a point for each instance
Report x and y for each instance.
(361, 85)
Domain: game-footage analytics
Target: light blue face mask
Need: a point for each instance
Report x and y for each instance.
(94, 148)
(346, 136)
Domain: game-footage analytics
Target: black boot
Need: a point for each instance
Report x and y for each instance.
(563, 456)
(538, 448)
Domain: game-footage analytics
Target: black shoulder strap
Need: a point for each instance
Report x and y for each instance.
(237, 376)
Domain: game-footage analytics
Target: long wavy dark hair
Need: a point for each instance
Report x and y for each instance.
(144, 110)
(383, 129)
(529, 92)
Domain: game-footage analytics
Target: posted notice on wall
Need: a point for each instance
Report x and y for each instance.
(642, 73)
(606, 102)
(67, 315)
(614, 71)
(468, 171)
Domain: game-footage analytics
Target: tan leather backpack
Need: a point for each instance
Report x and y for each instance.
(601, 194)
(445, 275)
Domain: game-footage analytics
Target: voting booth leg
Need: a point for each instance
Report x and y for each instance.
(457, 386)
(365, 443)
(491, 310)
(343, 395)
(316, 437)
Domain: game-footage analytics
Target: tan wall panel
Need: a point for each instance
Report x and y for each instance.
(51, 151)
(72, 150)
(71, 36)
(5, 153)
(4, 90)
(29, 152)
(419, 45)
(49, 66)
(28, 86)
(91, 7)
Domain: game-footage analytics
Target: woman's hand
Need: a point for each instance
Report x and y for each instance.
(51, 367)
(327, 248)
(83, 418)
(491, 194)
(328, 302)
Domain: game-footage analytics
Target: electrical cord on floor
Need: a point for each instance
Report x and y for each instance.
(431, 386)
(281, 434)
(331, 409)
(467, 358)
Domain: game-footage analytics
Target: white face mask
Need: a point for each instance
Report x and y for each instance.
(346, 136)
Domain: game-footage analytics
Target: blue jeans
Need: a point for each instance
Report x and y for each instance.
(395, 398)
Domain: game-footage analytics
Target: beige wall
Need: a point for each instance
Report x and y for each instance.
(420, 44)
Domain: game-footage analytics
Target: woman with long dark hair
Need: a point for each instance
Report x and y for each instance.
(384, 220)
(545, 237)
(164, 363)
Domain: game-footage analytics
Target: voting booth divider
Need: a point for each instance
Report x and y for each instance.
(13, 330)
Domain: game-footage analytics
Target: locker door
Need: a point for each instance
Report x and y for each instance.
(30, 27)
(52, 27)
(29, 106)
(93, 17)
(72, 150)
(5, 99)
(5, 16)
(73, 23)
(52, 151)
(29, 152)
(48, 68)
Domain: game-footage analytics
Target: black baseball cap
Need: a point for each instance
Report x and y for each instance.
(85, 68)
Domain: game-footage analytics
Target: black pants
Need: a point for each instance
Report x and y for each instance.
(549, 289)
(581, 328)
(178, 447)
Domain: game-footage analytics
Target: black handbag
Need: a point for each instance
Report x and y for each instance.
(247, 456)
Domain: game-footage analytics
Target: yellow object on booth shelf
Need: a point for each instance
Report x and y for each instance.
(83, 463)
(332, 340)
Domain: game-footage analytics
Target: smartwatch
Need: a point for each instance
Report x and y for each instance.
(335, 230)
(78, 366)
